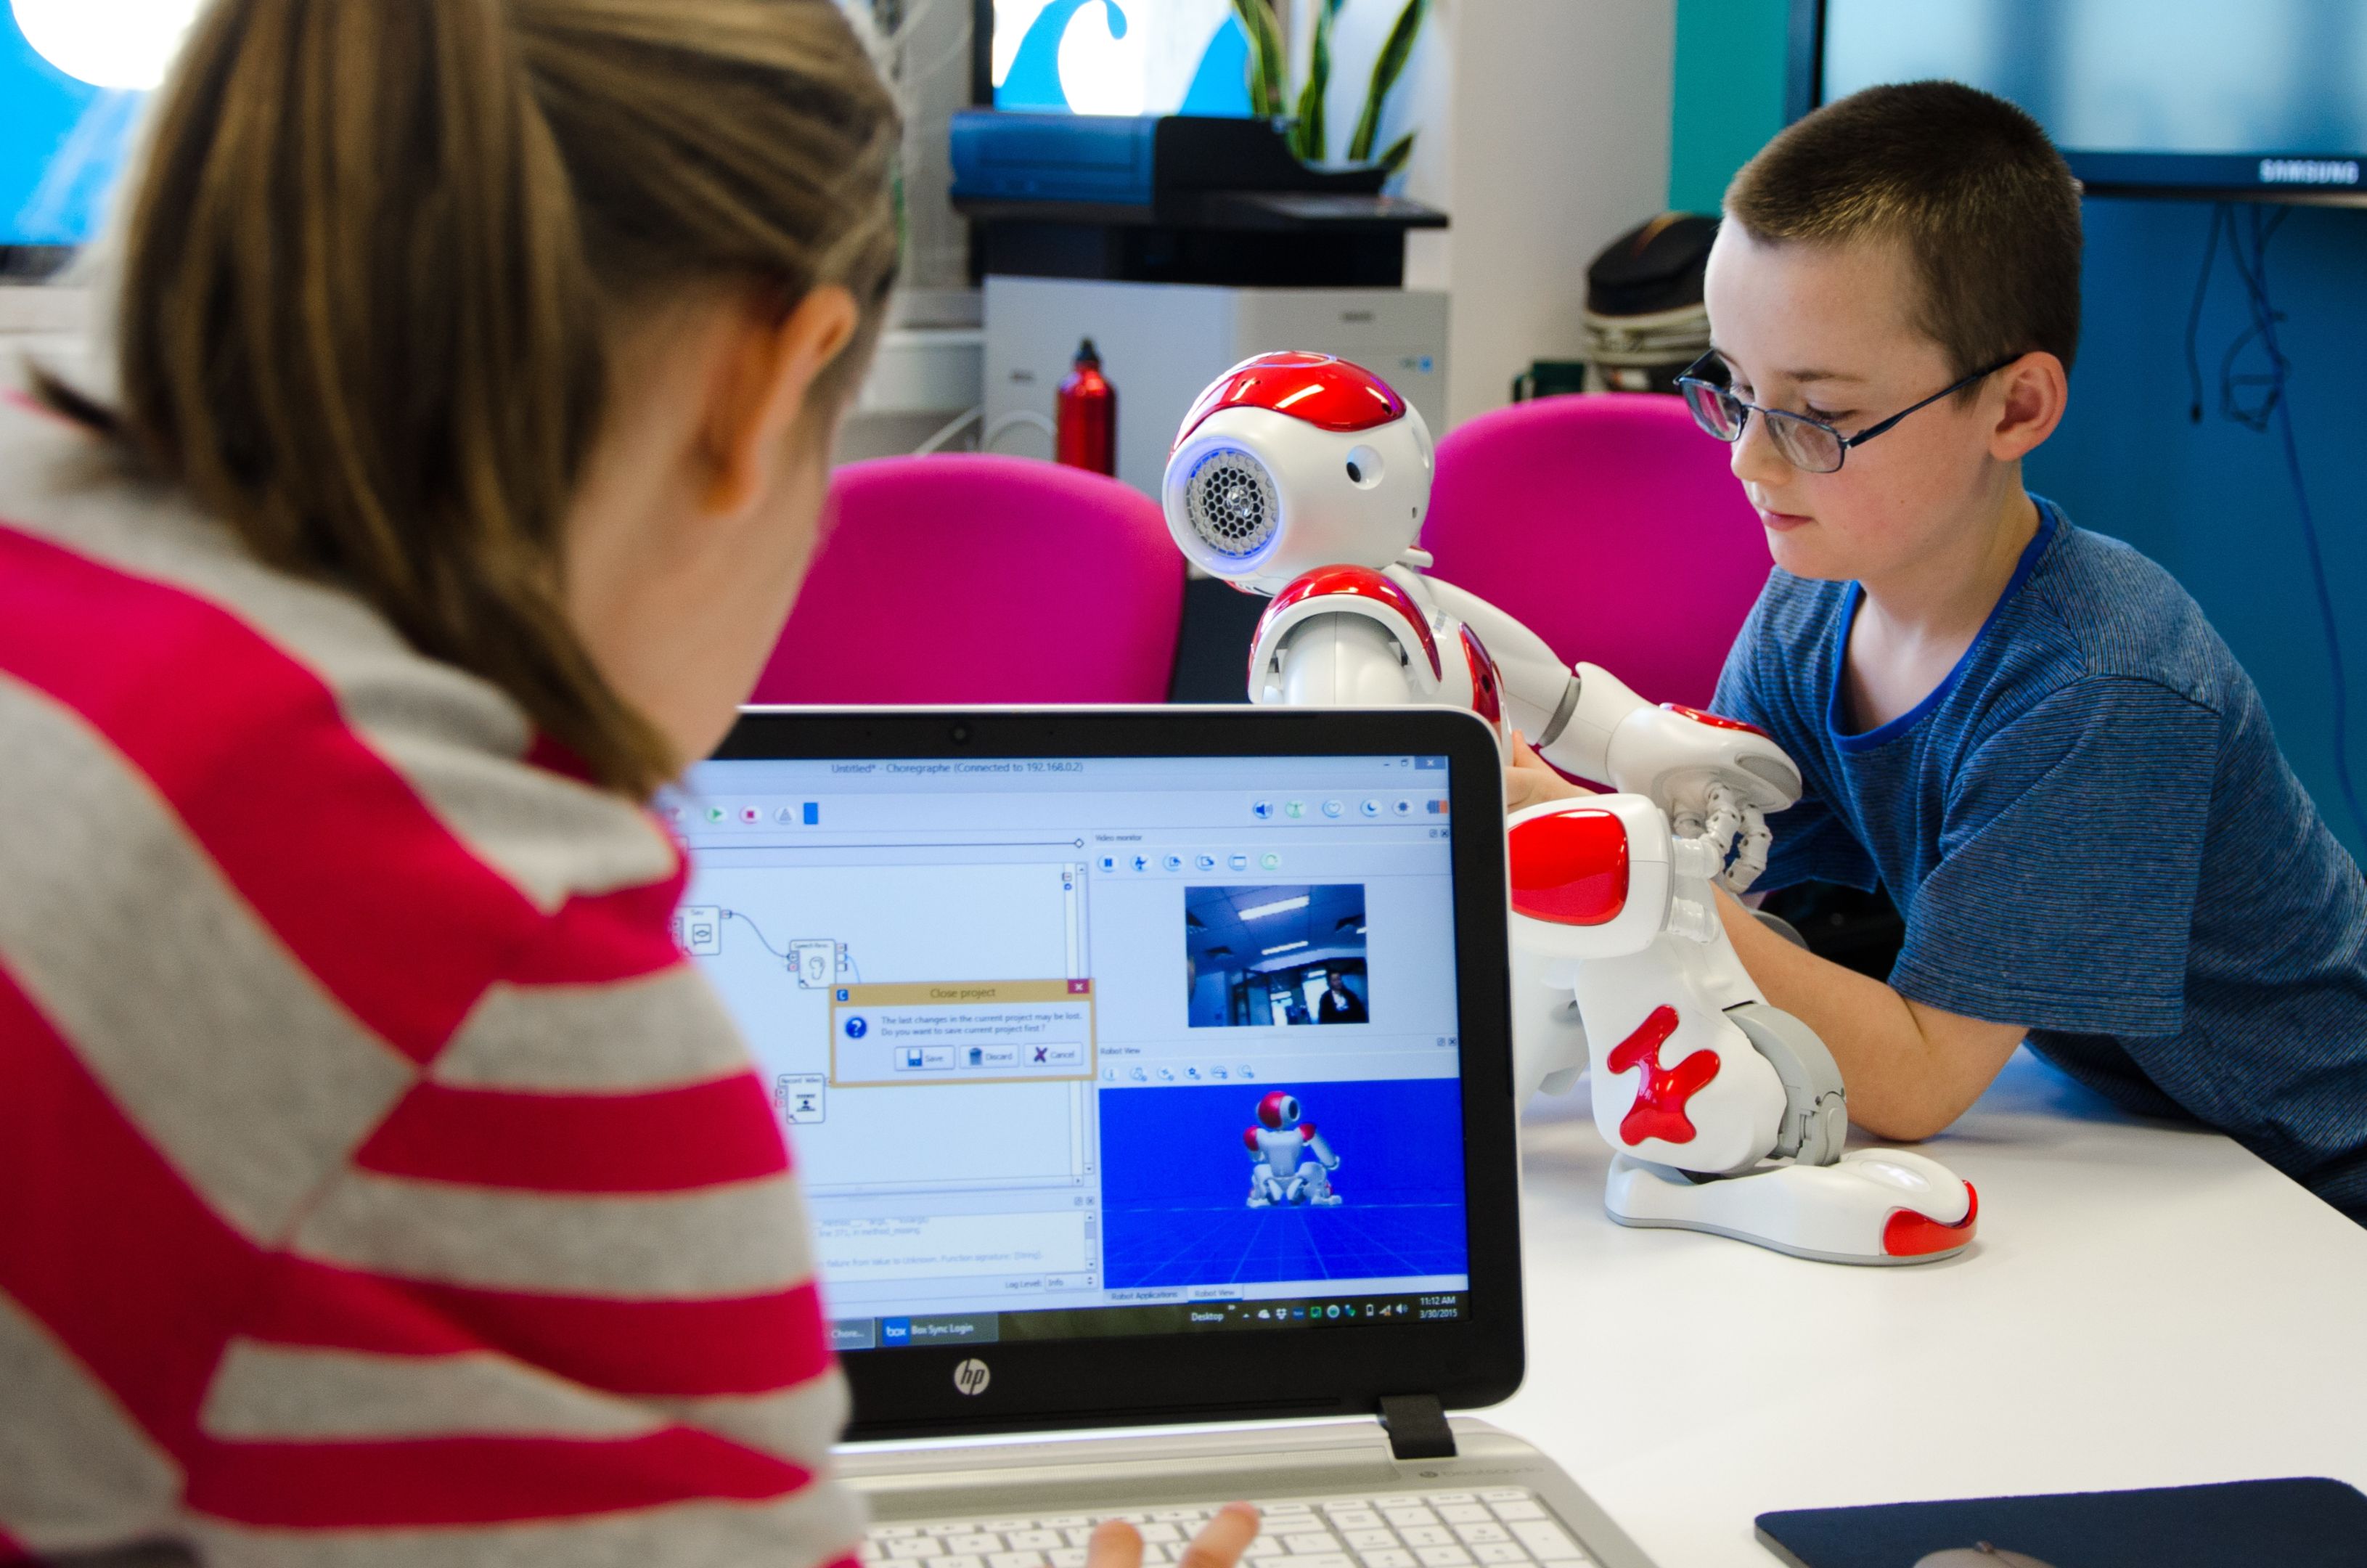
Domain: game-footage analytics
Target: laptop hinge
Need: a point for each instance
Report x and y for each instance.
(1417, 1427)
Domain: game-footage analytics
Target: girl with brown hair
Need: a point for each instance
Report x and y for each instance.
(377, 1180)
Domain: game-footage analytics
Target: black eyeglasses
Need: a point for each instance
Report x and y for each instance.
(1809, 445)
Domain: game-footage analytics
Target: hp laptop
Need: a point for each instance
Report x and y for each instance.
(1146, 1066)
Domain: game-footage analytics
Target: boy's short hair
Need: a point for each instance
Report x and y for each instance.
(1985, 207)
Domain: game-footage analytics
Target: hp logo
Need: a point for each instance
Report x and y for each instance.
(972, 1376)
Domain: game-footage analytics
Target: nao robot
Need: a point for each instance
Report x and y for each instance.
(1305, 478)
(1290, 1162)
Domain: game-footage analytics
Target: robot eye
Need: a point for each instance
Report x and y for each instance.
(1355, 474)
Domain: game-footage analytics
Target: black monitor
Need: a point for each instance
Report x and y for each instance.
(2265, 99)
(1164, 1051)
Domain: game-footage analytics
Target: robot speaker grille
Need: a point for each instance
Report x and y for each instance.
(1231, 503)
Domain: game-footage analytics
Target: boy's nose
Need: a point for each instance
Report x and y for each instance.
(1754, 458)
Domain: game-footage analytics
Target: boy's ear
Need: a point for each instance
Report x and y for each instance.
(2036, 390)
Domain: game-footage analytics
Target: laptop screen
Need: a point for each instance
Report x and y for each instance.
(1099, 1046)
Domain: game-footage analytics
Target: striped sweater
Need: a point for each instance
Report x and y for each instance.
(377, 1182)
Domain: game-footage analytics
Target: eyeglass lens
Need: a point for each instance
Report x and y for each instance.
(1714, 411)
(1804, 443)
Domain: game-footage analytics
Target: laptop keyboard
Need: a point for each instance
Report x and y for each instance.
(1500, 1527)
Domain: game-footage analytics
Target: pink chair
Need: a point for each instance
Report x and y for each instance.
(1610, 524)
(975, 579)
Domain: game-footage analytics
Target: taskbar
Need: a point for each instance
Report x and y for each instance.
(922, 1331)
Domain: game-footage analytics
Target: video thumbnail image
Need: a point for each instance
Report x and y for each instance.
(1242, 1183)
(1287, 954)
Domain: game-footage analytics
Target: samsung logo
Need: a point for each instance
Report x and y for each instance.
(2309, 171)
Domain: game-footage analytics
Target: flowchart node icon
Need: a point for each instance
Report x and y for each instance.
(799, 1096)
(816, 963)
(698, 930)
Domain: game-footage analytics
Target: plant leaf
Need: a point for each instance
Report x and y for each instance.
(1399, 151)
(1310, 137)
(1395, 50)
(1266, 63)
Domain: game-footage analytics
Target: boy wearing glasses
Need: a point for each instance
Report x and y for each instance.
(2026, 733)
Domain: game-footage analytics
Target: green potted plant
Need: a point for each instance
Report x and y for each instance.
(1309, 136)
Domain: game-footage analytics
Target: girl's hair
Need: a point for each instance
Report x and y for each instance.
(375, 260)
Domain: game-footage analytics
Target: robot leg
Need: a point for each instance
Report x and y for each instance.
(1549, 1033)
(1314, 1184)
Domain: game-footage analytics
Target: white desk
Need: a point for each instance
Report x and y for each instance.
(2147, 1305)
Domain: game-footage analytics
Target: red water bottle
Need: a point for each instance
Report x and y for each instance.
(1085, 424)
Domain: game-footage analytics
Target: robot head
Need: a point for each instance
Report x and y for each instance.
(1278, 1109)
(1291, 461)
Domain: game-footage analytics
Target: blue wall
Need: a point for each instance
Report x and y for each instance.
(2213, 501)
(2210, 502)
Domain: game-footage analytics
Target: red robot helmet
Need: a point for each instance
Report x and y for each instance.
(1278, 1109)
(1291, 461)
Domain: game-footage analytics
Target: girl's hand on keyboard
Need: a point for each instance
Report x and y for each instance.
(1219, 1544)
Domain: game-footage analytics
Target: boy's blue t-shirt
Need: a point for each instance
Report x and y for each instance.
(2091, 833)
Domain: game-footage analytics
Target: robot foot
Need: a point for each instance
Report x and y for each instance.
(1874, 1206)
(1329, 1200)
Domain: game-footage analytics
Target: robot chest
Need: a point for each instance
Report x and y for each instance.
(1281, 1149)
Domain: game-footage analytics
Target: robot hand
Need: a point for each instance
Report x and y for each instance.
(1736, 831)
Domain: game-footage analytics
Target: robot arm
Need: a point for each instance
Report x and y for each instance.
(1540, 691)
(1717, 777)
(1669, 753)
(1307, 477)
(1318, 1148)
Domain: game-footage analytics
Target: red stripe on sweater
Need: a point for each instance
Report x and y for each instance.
(703, 1135)
(602, 938)
(477, 1480)
(104, 1243)
(250, 750)
(680, 1349)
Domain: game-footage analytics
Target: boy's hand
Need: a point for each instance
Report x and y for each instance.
(1219, 1544)
(1530, 780)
